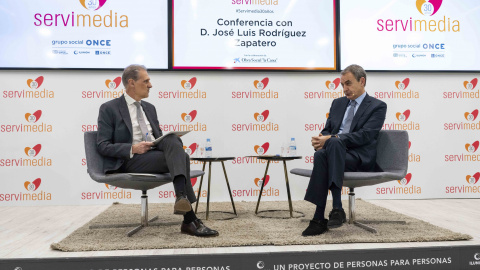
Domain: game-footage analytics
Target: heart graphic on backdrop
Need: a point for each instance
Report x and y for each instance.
(409, 144)
(259, 181)
(33, 152)
(473, 179)
(32, 118)
(187, 85)
(110, 187)
(191, 149)
(260, 85)
(193, 181)
(189, 117)
(470, 85)
(402, 85)
(95, 5)
(113, 84)
(35, 83)
(33, 185)
(403, 116)
(333, 85)
(260, 150)
(428, 7)
(471, 116)
(261, 117)
(472, 148)
(405, 180)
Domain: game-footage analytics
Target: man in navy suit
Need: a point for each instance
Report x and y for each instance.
(126, 128)
(347, 143)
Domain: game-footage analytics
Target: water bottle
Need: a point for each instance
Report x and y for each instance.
(293, 147)
(208, 149)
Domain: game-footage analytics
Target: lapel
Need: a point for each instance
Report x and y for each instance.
(123, 108)
(361, 110)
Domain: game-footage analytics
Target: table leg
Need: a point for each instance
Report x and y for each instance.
(208, 192)
(229, 191)
(288, 188)
(261, 189)
(200, 188)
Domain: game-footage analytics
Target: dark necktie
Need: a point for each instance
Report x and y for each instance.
(349, 119)
(141, 121)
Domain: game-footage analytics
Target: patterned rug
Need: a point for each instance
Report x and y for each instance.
(247, 229)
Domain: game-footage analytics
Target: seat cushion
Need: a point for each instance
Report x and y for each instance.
(360, 179)
(139, 181)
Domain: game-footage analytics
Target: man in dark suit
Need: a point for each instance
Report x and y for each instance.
(347, 143)
(126, 128)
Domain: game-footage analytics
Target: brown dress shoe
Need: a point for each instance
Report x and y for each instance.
(197, 228)
(182, 206)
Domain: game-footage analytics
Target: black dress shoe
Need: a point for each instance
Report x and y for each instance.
(182, 205)
(197, 228)
(316, 227)
(336, 218)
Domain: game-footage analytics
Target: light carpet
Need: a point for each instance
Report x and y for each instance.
(247, 229)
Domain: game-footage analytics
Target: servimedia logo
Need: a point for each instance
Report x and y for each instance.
(32, 194)
(35, 84)
(189, 124)
(190, 150)
(261, 150)
(403, 84)
(33, 117)
(402, 117)
(260, 91)
(471, 116)
(405, 187)
(470, 93)
(261, 117)
(472, 148)
(470, 85)
(333, 85)
(33, 152)
(429, 7)
(473, 179)
(189, 117)
(113, 84)
(93, 4)
(189, 91)
(260, 85)
(472, 186)
(187, 85)
(34, 185)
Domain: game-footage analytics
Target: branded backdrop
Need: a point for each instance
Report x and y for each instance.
(45, 113)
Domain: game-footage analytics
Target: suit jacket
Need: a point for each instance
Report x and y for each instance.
(114, 137)
(366, 124)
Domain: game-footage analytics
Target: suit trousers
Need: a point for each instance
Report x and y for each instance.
(168, 157)
(329, 165)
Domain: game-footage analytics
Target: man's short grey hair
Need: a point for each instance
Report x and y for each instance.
(357, 71)
(131, 72)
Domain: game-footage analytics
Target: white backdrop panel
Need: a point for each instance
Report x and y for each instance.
(438, 109)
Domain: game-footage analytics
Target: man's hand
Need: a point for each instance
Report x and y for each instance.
(141, 147)
(319, 141)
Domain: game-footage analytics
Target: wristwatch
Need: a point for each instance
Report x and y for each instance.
(334, 135)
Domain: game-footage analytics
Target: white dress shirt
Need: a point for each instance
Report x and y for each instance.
(136, 130)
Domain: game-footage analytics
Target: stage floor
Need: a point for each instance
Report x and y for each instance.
(27, 232)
